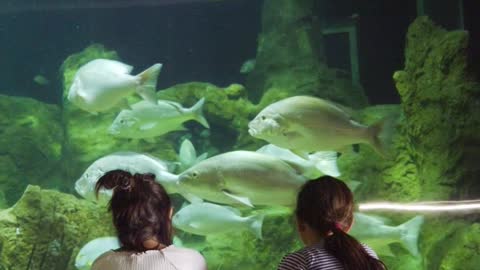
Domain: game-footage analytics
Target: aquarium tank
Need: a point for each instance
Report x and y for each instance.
(182, 87)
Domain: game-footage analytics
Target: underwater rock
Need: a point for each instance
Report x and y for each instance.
(87, 134)
(440, 101)
(31, 145)
(227, 110)
(45, 229)
(290, 56)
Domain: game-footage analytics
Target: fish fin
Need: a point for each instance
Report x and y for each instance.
(409, 232)
(147, 126)
(301, 154)
(187, 154)
(326, 162)
(201, 157)
(197, 111)
(380, 135)
(243, 200)
(148, 83)
(256, 224)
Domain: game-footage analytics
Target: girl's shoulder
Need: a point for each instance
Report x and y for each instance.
(185, 258)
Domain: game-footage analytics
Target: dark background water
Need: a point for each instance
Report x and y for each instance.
(203, 41)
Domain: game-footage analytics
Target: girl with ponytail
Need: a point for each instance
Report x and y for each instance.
(142, 216)
(324, 215)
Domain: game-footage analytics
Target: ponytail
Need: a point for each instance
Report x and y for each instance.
(140, 208)
(350, 252)
(326, 205)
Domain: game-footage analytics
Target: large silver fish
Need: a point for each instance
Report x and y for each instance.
(243, 177)
(128, 161)
(93, 249)
(146, 120)
(102, 84)
(306, 124)
(375, 232)
(208, 218)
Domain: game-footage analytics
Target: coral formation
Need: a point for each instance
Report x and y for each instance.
(45, 229)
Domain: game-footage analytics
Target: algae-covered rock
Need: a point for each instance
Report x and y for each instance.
(45, 229)
(442, 117)
(31, 145)
(86, 134)
(290, 57)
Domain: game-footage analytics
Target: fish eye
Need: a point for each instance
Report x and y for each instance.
(122, 121)
(194, 174)
(263, 117)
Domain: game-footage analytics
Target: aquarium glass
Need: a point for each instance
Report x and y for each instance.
(233, 105)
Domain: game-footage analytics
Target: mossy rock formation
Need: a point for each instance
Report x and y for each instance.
(45, 229)
(31, 146)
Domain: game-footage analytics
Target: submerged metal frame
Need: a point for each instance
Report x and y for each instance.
(347, 27)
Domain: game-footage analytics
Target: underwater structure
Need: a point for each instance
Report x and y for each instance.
(48, 151)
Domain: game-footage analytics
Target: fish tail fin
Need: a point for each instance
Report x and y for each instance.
(197, 111)
(148, 83)
(256, 224)
(326, 162)
(409, 232)
(380, 136)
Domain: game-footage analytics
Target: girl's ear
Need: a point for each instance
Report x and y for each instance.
(170, 213)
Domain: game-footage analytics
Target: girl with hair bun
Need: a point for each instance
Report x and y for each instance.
(142, 216)
(324, 215)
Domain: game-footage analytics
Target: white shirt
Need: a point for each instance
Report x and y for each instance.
(169, 258)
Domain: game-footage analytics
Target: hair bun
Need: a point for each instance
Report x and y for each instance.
(126, 182)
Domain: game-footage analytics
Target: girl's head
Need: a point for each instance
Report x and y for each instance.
(140, 207)
(325, 211)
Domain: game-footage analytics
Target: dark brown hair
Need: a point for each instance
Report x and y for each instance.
(326, 205)
(140, 208)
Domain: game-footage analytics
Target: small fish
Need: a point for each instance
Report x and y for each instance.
(128, 161)
(306, 124)
(102, 84)
(93, 249)
(41, 80)
(243, 177)
(374, 231)
(248, 66)
(208, 218)
(146, 120)
(318, 164)
(187, 155)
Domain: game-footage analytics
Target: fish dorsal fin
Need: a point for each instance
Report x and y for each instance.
(177, 106)
(244, 200)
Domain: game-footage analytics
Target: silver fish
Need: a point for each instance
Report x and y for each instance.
(243, 177)
(146, 120)
(374, 231)
(128, 161)
(208, 218)
(306, 124)
(102, 84)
